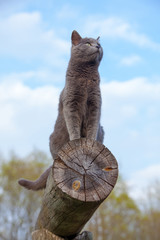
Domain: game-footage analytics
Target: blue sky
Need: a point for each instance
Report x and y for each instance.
(34, 53)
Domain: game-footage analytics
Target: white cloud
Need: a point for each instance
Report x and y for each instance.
(140, 181)
(36, 77)
(27, 116)
(24, 36)
(130, 60)
(114, 27)
(130, 116)
(131, 104)
(135, 89)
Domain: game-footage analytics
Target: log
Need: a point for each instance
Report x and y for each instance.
(44, 234)
(81, 178)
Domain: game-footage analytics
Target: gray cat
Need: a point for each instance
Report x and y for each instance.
(80, 101)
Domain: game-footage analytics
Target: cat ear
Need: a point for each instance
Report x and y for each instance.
(76, 38)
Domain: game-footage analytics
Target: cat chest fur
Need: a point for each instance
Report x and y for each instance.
(81, 93)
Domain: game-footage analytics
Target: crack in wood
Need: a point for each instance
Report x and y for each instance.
(98, 176)
(96, 191)
(76, 154)
(104, 152)
(70, 159)
(100, 184)
(84, 183)
(65, 182)
(59, 154)
(68, 167)
(91, 180)
(96, 157)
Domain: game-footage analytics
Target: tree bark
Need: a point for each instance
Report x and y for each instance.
(81, 179)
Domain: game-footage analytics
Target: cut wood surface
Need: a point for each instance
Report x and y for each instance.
(44, 234)
(81, 178)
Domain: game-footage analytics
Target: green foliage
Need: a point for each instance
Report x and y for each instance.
(18, 206)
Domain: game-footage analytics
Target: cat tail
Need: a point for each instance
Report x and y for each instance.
(38, 184)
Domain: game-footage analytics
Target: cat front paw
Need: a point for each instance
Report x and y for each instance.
(74, 138)
(92, 137)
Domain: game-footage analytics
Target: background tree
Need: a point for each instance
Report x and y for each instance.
(118, 218)
(19, 207)
(150, 222)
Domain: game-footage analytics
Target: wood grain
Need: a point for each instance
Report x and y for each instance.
(44, 234)
(81, 178)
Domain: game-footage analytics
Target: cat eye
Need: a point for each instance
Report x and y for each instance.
(89, 44)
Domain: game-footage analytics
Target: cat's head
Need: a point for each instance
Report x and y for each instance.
(86, 50)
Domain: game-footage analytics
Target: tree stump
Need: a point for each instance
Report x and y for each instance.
(82, 177)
